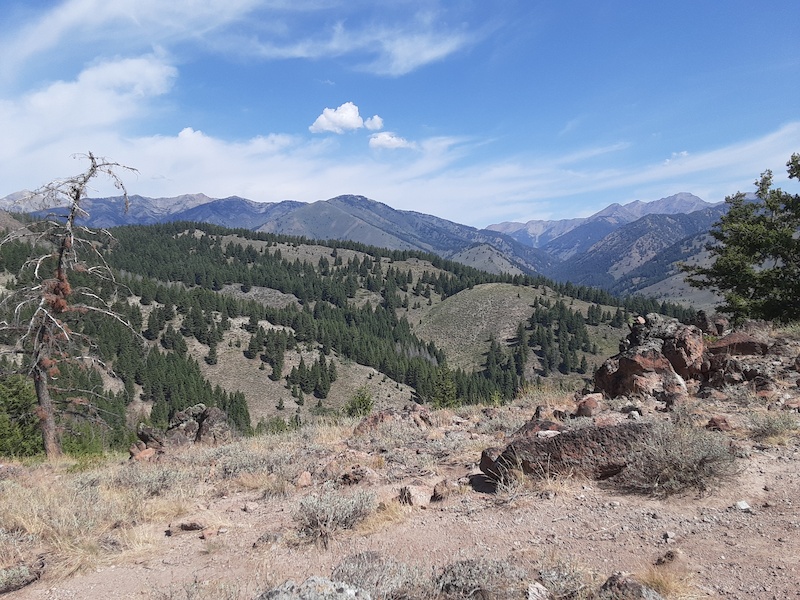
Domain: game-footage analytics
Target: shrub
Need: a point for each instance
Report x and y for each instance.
(361, 404)
(382, 578)
(772, 426)
(677, 458)
(565, 579)
(484, 578)
(319, 516)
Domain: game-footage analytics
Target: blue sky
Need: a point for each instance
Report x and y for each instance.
(478, 111)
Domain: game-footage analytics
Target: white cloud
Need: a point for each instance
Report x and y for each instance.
(343, 118)
(374, 123)
(387, 139)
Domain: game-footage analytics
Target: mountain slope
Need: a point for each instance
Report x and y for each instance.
(632, 246)
(235, 212)
(543, 233)
(360, 219)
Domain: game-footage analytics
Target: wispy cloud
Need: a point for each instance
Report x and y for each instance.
(389, 140)
(102, 96)
(391, 43)
(133, 24)
(389, 50)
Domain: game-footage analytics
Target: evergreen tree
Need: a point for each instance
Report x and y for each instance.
(756, 253)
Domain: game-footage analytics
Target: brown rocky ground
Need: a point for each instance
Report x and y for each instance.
(222, 522)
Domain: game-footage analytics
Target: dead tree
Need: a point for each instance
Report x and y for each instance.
(41, 304)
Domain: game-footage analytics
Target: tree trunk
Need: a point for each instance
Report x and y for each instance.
(47, 414)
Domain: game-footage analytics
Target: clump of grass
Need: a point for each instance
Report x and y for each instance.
(742, 395)
(668, 582)
(382, 578)
(149, 480)
(320, 516)
(68, 516)
(12, 546)
(679, 458)
(772, 427)
(481, 578)
(565, 579)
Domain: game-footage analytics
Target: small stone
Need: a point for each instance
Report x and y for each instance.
(743, 506)
(718, 423)
(547, 434)
(669, 536)
(536, 591)
(250, 507)
(304, 480)
(634, 415)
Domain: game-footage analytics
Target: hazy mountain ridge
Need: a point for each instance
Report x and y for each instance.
(607, 249)
(633, 245)
(540, 233)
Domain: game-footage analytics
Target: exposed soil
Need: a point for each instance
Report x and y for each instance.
(252, 544)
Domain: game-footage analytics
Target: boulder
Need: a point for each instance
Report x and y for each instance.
(738, 343)
(718, 423)
(415, 495)
(213, 427)
(593, 451)
(150, 436)
(655, 360)
(304, 480)
(199, 424)
(588, 405)
(442, 490)
(640, 371)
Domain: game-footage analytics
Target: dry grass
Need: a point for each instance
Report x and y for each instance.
(773, 427)
(387, 513)
(565, 578)
(85, 520)
(672, 583)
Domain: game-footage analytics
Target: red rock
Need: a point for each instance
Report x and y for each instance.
(738, 343)
(718, 423)
(588, 405)
(596, 452)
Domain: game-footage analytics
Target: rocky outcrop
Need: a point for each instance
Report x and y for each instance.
(419, 416)
(655, 360)
(199, 424)
(591, 451)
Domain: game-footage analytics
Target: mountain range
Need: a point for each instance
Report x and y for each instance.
(623, 248)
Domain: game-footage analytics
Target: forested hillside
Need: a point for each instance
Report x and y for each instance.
(287, 317)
